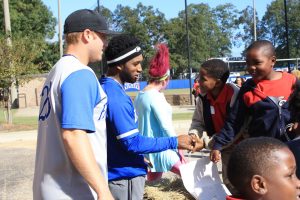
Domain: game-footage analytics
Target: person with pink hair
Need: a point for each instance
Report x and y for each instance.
(155, 115)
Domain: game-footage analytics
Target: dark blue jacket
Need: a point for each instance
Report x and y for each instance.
(266, 117)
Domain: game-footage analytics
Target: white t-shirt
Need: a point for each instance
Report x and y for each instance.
(72, 98)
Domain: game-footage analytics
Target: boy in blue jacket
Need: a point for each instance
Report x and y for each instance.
(295, 126)
(262, 100)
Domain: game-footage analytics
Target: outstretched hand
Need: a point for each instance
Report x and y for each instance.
(215, 156)
(294, 127)
(199, 144)
(189, 142)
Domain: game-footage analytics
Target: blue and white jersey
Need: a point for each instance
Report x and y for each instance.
(72, 98)
(125, 145)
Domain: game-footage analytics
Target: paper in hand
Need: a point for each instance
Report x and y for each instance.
(201, 179)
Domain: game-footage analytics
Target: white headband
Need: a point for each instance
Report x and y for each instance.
(135, 50)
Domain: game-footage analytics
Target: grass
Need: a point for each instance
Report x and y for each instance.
(166, 92)
(31, 122)
(182, 116)
(19, 122)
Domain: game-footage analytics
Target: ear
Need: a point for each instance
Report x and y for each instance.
(87, 35)
(259, 185)
(219, 83)
(119, 67)
(273, 59)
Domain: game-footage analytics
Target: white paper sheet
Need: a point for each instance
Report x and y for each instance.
(201, 179)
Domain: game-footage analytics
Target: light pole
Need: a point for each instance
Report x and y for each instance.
(254, 20)
(287, 34)
(188, 50)
(101, 62)
(98, 3)
(59, 30)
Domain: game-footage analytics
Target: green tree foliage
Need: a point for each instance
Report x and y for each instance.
(29, 18)
(273, 25)
(246, 24)
(32, 20)
(210, 33)
(145, 23)
(17, 60)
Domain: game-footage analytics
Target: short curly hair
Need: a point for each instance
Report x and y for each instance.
(253, 156)
(268, 48)
(216, 68)
(120, 45)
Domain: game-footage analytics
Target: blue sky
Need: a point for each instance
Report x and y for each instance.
(170, 8)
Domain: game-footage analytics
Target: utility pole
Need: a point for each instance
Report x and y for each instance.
(188, 50)
(254, 20)
(101, 62)
(60, 31)
(98, 7)
(287, 34)
(12, 94)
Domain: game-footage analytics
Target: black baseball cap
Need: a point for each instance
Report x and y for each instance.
(83, 19)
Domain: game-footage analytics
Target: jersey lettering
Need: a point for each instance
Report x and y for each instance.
(46, 108)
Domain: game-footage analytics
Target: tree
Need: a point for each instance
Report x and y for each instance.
(226, 16)
(33, 20)
(210, 30)
(30, 18)
(246, 36)
(32, 23)
(16, 61)
(147, 24)
(273, 25)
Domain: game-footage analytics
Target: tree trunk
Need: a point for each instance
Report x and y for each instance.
(9, 119)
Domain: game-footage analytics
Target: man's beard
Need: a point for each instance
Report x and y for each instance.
(126, 77)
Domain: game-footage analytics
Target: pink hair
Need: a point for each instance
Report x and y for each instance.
(159, 64)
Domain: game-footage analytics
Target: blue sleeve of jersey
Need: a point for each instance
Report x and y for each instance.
(79, 95)
(141, 145)
(124, 119)
(233, 123)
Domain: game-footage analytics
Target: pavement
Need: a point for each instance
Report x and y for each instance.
(17, 154)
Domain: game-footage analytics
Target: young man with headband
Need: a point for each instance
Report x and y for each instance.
(126, 146)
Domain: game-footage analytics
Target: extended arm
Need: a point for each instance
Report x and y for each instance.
(197, 126)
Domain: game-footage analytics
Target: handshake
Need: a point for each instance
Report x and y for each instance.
(190, 142)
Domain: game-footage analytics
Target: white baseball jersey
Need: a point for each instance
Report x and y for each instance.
(72, 98)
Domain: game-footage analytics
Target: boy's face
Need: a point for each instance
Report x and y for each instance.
(281, 180)
(259, 64)
(131, 70)
(207, 83)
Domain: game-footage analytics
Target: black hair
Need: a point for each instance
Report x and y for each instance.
(120, 45)
(216, 68)
(253, 156)
(269, 49)
(294, 103)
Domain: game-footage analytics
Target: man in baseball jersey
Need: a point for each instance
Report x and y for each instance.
(71, 155)
(125, 145)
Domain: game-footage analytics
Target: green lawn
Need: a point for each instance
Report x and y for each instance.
(166, 92)
(28, 121)
(182, 116)
(31, 122)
